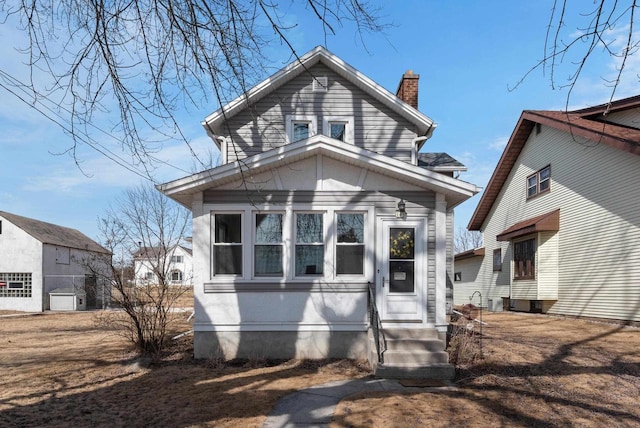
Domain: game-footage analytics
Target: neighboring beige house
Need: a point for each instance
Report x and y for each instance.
(37, 258)
(560, 216)
(466, 266)
(177, 265)
(322, 196)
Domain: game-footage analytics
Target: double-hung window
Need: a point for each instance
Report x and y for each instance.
(539, 182)
(309, 248)
(268, 248)
(176, 259)
(524, 259)
(350, 244)
(227, 244)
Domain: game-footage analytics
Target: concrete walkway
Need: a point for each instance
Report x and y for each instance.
(314, 407)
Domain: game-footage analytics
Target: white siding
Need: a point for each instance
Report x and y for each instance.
(462, 290)
(627, 118)
(21, 253)
(547, 266)
(262, 126)
(595, 187)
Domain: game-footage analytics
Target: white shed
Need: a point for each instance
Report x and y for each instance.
(67, 299)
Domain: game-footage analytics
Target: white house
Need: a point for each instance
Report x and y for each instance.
(37, 258)
(466, 266)
(176, 264)
(560, 216)
(322, 196)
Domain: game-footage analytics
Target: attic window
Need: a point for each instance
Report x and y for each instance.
(320, 84)
(338, 128)
(300, 127)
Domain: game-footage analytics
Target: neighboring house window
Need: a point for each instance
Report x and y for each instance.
(227, 244)
(148, 276)
(539, 182)
(350, 244)
(338, 128)
(176, 259)
(15, 285)
(457, 276)
(268, 247)
(0, 227)
(497, 260)
(524, 256)
(300, 127)
(309, 249)
(176, 275)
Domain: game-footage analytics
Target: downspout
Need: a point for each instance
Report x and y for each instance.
(223, 148)
(415, 142)
(414, 148)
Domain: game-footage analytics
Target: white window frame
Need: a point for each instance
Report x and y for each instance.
(254, 243)
(335, 244)
(292, 119)
(327, 121)
(177, 259)
(325, 245)
(241, 244)
(180, 276)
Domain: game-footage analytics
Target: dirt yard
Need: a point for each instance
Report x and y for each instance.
(59, 369)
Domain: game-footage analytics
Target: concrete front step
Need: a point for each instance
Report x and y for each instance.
(431, 345)
(412, 354)
(415, 357)
(432, 371)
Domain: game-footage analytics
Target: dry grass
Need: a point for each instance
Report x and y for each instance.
(535, 371)
(59, 369)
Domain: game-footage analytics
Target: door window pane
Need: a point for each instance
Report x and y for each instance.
(401, 259)
(401, 243)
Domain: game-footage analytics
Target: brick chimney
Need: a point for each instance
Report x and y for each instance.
(408, 89)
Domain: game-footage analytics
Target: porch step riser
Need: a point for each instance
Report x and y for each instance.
(420, 334)
(430, 345)
(415, 358)
(443, 371)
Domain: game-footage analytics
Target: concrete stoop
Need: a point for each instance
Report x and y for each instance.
(412, 354)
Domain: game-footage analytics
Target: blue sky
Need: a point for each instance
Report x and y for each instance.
(468, 54)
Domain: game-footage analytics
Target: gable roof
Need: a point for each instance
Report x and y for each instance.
(456, 191)
(153, 252)
(590, 123)
(424, 125)
(440, 162)
(53, 234)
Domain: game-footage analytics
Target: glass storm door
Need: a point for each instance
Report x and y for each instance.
(400, 270)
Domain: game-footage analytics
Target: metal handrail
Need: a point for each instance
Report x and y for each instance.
(376, 325)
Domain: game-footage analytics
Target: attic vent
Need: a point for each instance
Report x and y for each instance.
(320, 84)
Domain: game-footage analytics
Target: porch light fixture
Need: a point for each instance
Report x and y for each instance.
(400, 212)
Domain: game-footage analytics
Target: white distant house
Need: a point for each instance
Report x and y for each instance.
(560, 216)
(324, 200)
(176, 264)
(37, 258)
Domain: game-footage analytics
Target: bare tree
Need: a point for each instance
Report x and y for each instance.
(145, 223)
(466, 240)
(579, 32)
(146, 59)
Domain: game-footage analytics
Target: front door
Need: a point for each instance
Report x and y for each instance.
(401, 269)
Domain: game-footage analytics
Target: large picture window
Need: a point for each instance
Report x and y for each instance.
(227, 244)
(350, 244)
(524, 258)
(309, 253)
(268, 247)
